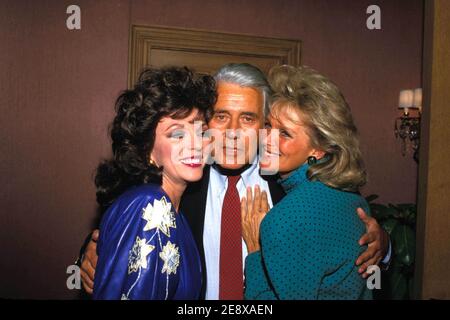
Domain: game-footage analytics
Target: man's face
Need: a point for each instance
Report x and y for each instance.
(238, 116)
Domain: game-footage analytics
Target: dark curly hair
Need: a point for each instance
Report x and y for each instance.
(158, 93)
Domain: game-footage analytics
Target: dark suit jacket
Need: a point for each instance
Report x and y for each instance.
(193, 206)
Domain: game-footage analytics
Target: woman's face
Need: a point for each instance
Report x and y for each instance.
(179, 146)
(289, 145)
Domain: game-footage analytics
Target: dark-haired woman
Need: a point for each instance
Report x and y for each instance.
(146, 249)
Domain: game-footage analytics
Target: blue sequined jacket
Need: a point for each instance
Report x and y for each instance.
(146, 250)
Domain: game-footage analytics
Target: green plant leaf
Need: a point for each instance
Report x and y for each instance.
(399, 221)
(404, 244)
(398, 286)
(410, 212)
(389, 225)
(407, 211)
(406, 206)
(396, 212)
(378, 211)
(381, 212)
(371, 197)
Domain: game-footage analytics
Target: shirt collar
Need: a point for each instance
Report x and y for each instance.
(220, 181)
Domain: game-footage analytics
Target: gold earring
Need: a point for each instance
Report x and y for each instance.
(151, 162)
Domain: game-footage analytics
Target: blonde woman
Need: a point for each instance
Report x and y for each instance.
(306, 245)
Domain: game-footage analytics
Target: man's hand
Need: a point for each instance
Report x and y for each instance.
(89, 263)
(377, 241)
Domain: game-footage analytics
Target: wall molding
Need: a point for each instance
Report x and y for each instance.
(205, 51)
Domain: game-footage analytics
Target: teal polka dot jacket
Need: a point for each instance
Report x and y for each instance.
(309, 245)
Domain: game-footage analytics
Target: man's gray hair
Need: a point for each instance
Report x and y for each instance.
(246, 75)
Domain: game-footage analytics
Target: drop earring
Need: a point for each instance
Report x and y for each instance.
(312, 160)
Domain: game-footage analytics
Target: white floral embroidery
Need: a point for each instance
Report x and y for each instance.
(138, 255)
(159, 216)
(171, 258)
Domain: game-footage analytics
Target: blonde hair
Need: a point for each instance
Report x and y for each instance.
(329, 123)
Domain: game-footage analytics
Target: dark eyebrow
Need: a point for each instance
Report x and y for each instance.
(221, 111)
(251, 114)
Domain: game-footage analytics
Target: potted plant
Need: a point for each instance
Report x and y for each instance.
(400, 222)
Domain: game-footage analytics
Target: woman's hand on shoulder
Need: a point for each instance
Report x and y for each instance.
(254, 208)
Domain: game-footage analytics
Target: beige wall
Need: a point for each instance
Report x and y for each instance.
(58, 88)
(433, 245)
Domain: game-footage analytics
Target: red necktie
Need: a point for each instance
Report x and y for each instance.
(231, 276)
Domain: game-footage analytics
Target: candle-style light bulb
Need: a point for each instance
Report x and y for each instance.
(405, 100)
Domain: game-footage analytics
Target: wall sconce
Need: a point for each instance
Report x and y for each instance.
(407, 127)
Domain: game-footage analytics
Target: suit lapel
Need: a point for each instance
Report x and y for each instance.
(193, 206)
(276, 191)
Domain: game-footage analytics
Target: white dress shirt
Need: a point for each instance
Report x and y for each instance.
(217, 188)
